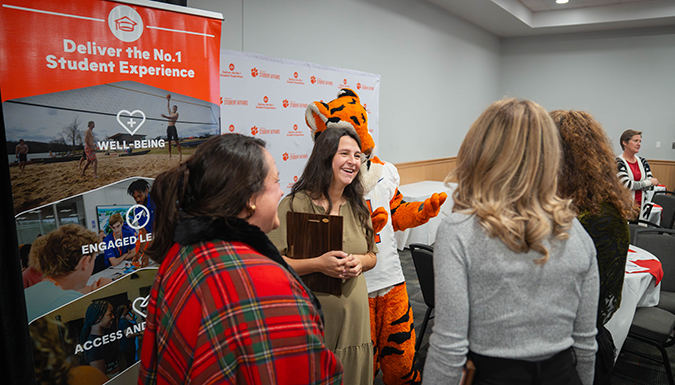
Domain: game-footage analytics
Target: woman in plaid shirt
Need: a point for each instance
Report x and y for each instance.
(225, 307)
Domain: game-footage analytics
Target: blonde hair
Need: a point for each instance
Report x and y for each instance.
(507, 174)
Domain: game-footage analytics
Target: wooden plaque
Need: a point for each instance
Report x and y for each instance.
(310, 235)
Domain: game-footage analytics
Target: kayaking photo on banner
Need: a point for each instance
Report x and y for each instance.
(98, 98)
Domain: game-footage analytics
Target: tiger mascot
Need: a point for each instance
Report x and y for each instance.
(391, 318)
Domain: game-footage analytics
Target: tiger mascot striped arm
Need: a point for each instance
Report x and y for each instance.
(346, 111)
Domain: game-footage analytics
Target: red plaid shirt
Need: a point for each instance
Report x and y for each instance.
(221, 313)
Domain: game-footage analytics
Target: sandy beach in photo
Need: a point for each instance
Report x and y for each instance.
(40, 184)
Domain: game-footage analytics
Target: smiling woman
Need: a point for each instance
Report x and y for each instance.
(101, 340)
(330, 185)
(213, 212)
(346, 163)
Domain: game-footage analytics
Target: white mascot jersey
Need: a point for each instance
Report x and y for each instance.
(380, 183)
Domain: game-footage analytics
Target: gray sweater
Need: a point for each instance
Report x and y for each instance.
(499, 303)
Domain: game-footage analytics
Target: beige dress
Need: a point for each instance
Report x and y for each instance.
(347, 317)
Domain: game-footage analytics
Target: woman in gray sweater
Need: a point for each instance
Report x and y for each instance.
(516, 275)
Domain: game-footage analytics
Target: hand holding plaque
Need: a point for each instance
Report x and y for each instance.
(316, 235)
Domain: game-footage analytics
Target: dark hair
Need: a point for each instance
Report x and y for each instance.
(318, 175)
(94, 315)
(627, 135)
(588, 172)
(141, 185)
(24, 252)
(217, 181)
(121, 311)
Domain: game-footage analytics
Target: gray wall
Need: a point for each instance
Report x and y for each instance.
(438, 71)
(625, 79)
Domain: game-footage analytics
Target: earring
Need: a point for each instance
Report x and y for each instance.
(251, 210)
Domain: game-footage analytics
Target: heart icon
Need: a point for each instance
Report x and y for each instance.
(142, 305)
(133, 122)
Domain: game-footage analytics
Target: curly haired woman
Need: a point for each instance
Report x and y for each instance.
(603, 205)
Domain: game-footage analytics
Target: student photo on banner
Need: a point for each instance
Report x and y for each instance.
(117, 93)
(97, 337)
(65, 270)
(91, 137)
(117, 252)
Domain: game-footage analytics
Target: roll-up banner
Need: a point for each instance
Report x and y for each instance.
(266, 97)
(98, 98)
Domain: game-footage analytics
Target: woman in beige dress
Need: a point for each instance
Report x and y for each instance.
(330, 185)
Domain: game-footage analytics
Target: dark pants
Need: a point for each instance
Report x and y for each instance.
(557, 370)
(604, 358)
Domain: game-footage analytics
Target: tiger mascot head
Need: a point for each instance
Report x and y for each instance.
(344, 111)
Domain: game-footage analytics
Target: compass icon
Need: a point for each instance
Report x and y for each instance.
(138, 219)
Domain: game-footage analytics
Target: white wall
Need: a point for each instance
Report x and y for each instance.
(625, 79)
(438, 71)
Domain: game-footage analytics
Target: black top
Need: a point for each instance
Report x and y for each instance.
(610, 234)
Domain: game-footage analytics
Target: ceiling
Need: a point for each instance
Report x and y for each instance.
(511, 18)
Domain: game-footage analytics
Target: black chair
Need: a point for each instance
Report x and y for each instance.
(639, 224)
(661, 243)
(666, 199)
(656, 325)
(423, 258)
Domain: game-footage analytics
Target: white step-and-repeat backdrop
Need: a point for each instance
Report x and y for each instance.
(266, 97)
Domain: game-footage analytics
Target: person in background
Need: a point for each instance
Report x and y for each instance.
(223, 294)
(634, 172)
(65, 270)
(99, 261)
(330, 185)
(587, 178)
(89, 149)
(516, 278)
(30, 274)
(129, 343)
(138, 189)
(119, 253)
(171, 132)
(24, 251)
(99, 323)
(22, 154)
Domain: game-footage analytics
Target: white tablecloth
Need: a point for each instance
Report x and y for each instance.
(638, 291)
(418, 192)
(650, 193)
(655, 214)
